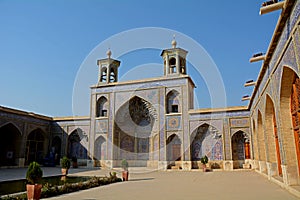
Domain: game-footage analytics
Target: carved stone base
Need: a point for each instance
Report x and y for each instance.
(162, 165)
(186, 165)
(228, 165)
(289, 174)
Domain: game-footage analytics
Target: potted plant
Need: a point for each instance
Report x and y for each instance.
(204, 161)
(74, 162)
(34, 175)
(125, 171)
(65, 165)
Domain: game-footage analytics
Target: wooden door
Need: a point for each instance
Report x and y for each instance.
(247, 150)
(277, 146)
(176, 153)
(296, 116)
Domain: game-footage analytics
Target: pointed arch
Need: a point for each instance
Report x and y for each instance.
(261, 137)
(133, 126)
(289, 113)
(174, 152)
(100, 148)
(206, 140)
(240, 145)
(75, 147)
(272, 134)
(173, 103)
(36, 146)
(56, 149)
(102, 107)
(14, 124)
(10, 144)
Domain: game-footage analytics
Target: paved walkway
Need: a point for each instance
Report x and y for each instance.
(175, 185)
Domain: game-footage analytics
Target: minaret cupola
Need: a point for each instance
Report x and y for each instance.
(174, 60)
(108, 69)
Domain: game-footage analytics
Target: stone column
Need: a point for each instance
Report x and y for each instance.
(177, 64)
(167, 67)
(162, 164)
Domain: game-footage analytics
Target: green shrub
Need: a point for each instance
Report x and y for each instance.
(34, 173)
(124, 164)
(204, 160)
(65, 163)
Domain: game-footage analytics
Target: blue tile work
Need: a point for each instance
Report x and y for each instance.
(227, 140)
(19, 124)
(207, 143)
(162, 140)
(295, 14)
(173, 123)
(240, 122)
(277, 81)
(289, 58)
(102, 126)
(218, 124)
(297, 44)
(218, 115)
(156, 147)
(279, 47)
(235, 130)
(149, 95)
(143, 85)
(30, 119)
(110, 128)
(286, 33)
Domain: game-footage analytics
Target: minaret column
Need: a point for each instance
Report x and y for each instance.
(108, 72)
(177, 64)
(167, 67)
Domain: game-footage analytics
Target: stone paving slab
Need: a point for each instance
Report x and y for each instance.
(185, 185)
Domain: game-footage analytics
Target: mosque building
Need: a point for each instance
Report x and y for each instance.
(152, 122)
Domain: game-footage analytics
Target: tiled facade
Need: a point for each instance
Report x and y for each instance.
(274, 140)
(152, 122)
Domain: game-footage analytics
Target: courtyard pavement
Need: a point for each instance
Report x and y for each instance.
(147, 184)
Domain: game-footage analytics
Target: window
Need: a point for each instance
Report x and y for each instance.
(102, 105)
(172, 63)
(103, 74)
(173, 69)
(172, 102)
(104, 113)
(174, 108)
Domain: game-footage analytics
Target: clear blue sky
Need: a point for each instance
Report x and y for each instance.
(43, 43)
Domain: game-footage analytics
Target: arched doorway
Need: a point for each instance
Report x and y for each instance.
(56, 149)
(174, 148)
(75, 149)
(240, 146)
(35, 149)
(272, 135)
(289, 114)
(133, 126)
(261, 138)
(295, 111)
(9, 145)
(100, 148)
(206, 140)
